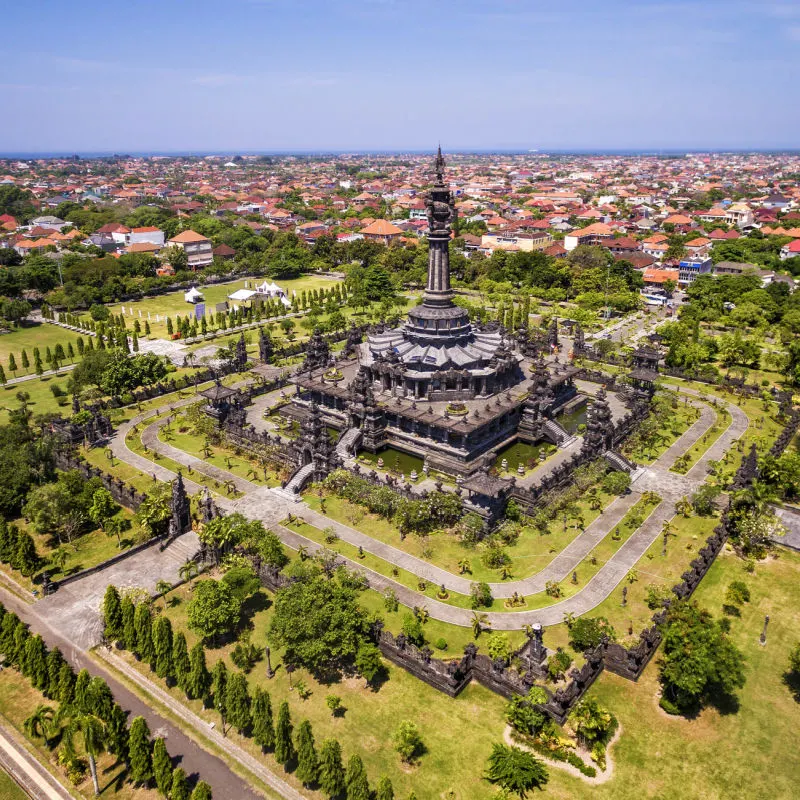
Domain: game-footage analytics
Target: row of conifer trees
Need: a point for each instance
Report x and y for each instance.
(86, 708)
(151, 639)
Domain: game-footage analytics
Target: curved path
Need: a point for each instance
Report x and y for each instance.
(262, 503)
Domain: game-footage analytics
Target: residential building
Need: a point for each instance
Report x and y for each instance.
(689, 268)
(149, 234)
(508, 240)
(382, 231)
(198, 248)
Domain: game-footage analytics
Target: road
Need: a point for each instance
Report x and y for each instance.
(196, 761)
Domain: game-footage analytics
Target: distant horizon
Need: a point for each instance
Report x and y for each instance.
(322, 152)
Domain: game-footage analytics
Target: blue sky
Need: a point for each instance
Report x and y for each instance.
(180, 75)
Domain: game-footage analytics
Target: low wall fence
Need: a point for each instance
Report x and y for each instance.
(123, 493)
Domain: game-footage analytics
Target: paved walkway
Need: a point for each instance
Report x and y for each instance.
(35, 780)
(75, 608)
(269, 506)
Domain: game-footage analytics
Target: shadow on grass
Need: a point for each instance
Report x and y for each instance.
(792, 682)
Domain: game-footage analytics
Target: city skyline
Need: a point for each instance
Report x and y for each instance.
(389, 76)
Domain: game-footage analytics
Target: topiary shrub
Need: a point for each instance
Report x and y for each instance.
(440, 644)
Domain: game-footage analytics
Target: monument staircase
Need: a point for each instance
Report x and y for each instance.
(555, 433)
(618, 462)
(297, 482)
(348, 443)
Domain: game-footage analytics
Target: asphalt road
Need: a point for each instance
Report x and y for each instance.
(185, 753)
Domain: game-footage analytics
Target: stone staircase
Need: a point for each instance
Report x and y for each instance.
(619, 463)
(348, 443)
(557, 435)
(296, 483)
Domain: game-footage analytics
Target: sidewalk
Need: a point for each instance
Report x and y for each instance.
(34, 779)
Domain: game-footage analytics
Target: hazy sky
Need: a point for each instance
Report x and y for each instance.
(393, 74)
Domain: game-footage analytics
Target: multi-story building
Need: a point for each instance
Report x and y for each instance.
(692, 266)
(198, 248)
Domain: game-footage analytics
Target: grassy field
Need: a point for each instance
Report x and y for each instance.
(730, 756)
(17, 701)
(657, 756)
(34, 334)
(9, 789)
(450, 762)
(172, 304)
(42, 400)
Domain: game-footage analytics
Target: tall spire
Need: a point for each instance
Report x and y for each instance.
(439, 167)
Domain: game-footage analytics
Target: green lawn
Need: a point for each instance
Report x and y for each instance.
(9, 789)
(34, 334)
(532, 551)
(173, 303)
(452, 761)
(716, 755)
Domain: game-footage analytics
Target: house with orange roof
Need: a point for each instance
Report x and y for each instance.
(597, 233)
(197, 247)
(148, 234)
(383, 231)
(655, 278)
(699, 246)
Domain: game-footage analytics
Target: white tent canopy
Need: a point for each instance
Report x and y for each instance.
(241, 295)
(193, 295)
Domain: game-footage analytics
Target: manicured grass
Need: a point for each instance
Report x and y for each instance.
(221, 457)
(35, 334)
(698, 449)
(681, 418)
(18, 699)
(41, 400)
(173, 304)
(532, 551)
(717, 755)
(9, 789)
(452, 760)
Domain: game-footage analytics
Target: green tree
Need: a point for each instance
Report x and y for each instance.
(103, 507)
(42, 722)
(331, 769)
(140, 752)
(355, 779)
(118, 732)
(307, 758)
(284, 749)
(368, 663)
(698, 659)
(794, 659)
(92, 732)
(588, 632)
(198, 681)
(180, 785)
(12, 363)
(592, 722)
(35, 661)
(407, 740)
(319, 622)
(213, 609)
(143, 625)
(80, 694)
(181, 666)
(263, 728)
(219, 683)
(128, 610)
(237, 702)
(55, 661)
(202, 791)
(162, 766)
(162, 646)
(385, 791)
(515, 771)
(112, 613)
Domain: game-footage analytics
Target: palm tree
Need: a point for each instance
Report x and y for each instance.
(683, 507)
(115, 526)
(569, 619)
(58, 558)
(41, 723)
(162, 588)
(464, 565)
(93, 735)
(187, 571)
(479, 621)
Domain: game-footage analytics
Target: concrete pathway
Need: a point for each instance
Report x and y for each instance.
(75, 608)
(269, 506)
(34, 779)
